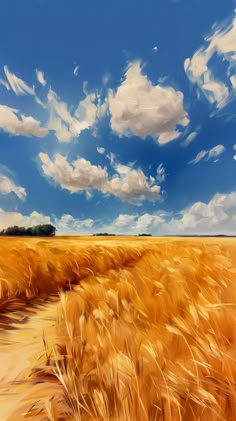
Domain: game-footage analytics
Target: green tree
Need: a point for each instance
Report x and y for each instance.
(36, 230)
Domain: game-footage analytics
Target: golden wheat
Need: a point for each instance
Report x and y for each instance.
(30, 268)
(148, 334)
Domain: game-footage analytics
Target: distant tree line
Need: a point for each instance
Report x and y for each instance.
(104, 234)
(36, 230)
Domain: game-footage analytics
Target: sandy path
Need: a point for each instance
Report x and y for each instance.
(19, 350)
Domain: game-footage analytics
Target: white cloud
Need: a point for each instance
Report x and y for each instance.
(11, 121)
(87, 110)
(136, 224)
(124, 220)
(234, 157)
(199, 157)
(215, 152)
(161, 174)
(80, 175)
(8, 186)
(88, 195)
(18, 85)
(106, 78)
(8, 219)
(5, 84)
(234, 147)
(40, 77)
(190, 138)
(155, 49)
(101, 150)
(64, 224)
(132, 185)
(67, 125)
(127, 183)
(140, 108)
(200, 71)
(67, 223)
(211, 154)
(215, 217)
(111, 156)
(76, 70)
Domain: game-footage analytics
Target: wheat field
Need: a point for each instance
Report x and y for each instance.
(145, 327)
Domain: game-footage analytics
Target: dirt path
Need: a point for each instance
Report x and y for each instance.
(19, 351)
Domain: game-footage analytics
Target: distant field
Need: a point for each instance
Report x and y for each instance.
(147, 331)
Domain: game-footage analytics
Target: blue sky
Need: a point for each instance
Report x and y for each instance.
(118, 116)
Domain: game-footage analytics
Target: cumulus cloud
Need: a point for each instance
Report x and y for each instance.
(40, 77)
(11, 121)
(234, 147)
(215, 217)
(200, 71)
(65, 224)
(127, 183)
(211, 154)
(8, 186)
(140, 108)
(18, 85)
(132, 185)
(136, 224)
(15, 218)
(80, 175)
(101, 150)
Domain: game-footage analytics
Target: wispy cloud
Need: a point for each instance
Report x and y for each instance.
(18, 85)
(5, 84)
(200, 71)
(190, 138)
(161, 174)
(105, 79)
(207, 155)
(67, 125)
(8, 186)
(40, 77)
(76, 70)
(101, 150)
(111, 156)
